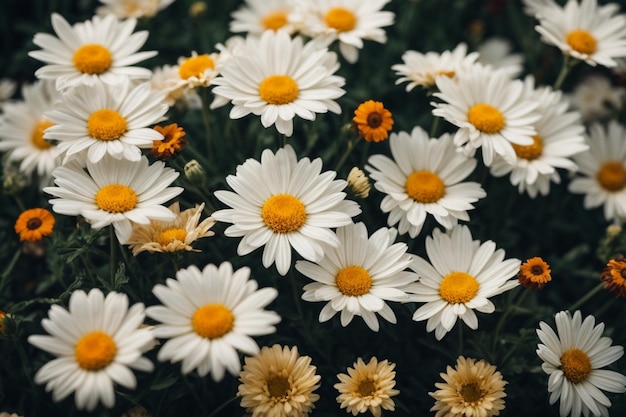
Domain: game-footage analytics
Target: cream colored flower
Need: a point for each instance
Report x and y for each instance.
(125, 9)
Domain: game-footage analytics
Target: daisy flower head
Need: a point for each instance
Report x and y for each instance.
(114, 191)
(596, 98)
(96, 341)
(422, 69)
(586, 31)
(349, 22)
(102, 119)
(424, 177)
(534, 273)
(491, 111)
(496, 52)
(256, 16)
(368, 387)
(277, 77)
(209, 315)
(461, 277)
(278, 382)
(472, 388)
(573, 357)
(359, 275)
(166, 79)
(282, 203)
(614, 276)
(603, 170)
(7, 89)
(172, 142)
(373, 121)
(33, 224)
(174, 235)
(22, 128)
(101, 48)
(197, 70)
(125, 9)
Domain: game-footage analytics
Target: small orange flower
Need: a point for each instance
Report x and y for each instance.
(534, 273)
(34, 224)
(2, 315)
(172, 142)
(614, 277)
(373, 121)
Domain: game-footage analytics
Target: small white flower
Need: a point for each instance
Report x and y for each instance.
(596, 98)
(125, 9)
(257, 16)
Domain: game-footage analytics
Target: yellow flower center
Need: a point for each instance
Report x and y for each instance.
(448, 73)
(425, 187)
(37, 136)
(612, 176)
(581, 41)
(279, 89)
(278, 386)
(353, 281)
(116, 198)
(168, 236)
(486, 118)
(195, 66)
(575, 365)
(92, 59)
(367, 388)
(529, 152)
(212, 321)
(283, 213)
(274, 20)
(95, 351)
(106, 125)
(458, 287)
(340, 19)
(471, 392)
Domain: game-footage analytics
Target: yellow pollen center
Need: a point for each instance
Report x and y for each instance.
(458, 287)
(116, 198)
(612, 176)
(212, 321)
(274, 20)
(367, 388)
(195, 66)
(92, 59)
(425, 187)
(279, 89)
(449, 73)
(581, 41)
(37, 136)
(168, 236)
(106, 125)
(486, 118)
(283, 213)
(471, 392)
(278, 386)
(95, 351)
(340, 19)
(529, 152)
(575, 365)
(353, 281)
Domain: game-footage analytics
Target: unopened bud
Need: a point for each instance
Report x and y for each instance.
(195, 173)
(359, 183)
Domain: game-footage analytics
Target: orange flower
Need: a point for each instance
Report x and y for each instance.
(2, 315)
(373, 121)
(34, 224)
(534, 273)
(614, 277)
(172, 142)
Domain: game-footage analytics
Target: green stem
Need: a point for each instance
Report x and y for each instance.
(112, 249)
(207, 124)
(568, 64)
(505, 315)
(345, 155)
(586, 297)
(222, 406)
(435, 126)
(9, 268)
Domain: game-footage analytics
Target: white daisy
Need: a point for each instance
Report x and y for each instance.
(208, 317)
(114, 191)
(7, 88)
(283, 203)
(101, 119)
(277, 78)
(586, 31)
(535, 8)
(197, 70)
(348, 21)
(496, 53)
(490, 110)
(461, 277)
(604, 170)
(166, 79)
(423, 178)
(572, 357)
(359, 275)
(125, 9)
(100, 48)
(257, 16)
(422, 69)
(96, 341)
(597, 98)
(22, 129)
(559, 137)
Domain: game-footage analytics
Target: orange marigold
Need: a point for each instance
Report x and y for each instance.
(614, 277)
(373, 121)
(33, 224)
(534, 273)
(172, 142)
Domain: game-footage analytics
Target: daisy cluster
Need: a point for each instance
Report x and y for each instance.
(287, 208)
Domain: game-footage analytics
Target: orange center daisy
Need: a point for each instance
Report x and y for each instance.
(486, 118)
(36, 137)
(458, 287)
(612, 176)
(92, 59)
(353, 281)
(425, 187)
(95, 351)
(279, 89)
(529, 152)
(575, 365)
(274, 20)
(283, 213)
(195, 66)
(106, 125)
(581, 41)
(340, 19)
(212, 321)
(116, 198)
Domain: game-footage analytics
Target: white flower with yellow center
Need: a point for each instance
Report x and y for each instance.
(22, 129)
(491, 111)
(114, 191)
(283, 203)
(573, 358)
(359, 275)
(461, 277)
(604, 170)
(348, 21)
(125, 9)
(257, 16)
(101, 119)
(197, 70)
(424, 177)
(96, 341)
(101, 48)
(586, 31)
(277, 78)
(209, 316)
